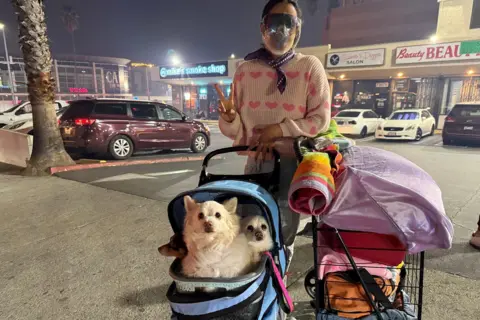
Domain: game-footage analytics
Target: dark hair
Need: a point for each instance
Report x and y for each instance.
(272, 3)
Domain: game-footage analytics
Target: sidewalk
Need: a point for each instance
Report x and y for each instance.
(74, 251)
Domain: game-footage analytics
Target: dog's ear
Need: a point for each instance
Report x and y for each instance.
(231, 205)
(190, 204)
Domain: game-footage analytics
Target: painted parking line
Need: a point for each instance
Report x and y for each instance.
(123, 177)
(168, 173)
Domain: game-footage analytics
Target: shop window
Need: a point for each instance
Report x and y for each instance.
(475, 20)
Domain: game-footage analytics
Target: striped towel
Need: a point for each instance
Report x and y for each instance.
(313, 186)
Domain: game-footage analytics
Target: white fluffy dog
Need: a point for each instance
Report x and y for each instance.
(216, 247)
(258, 235)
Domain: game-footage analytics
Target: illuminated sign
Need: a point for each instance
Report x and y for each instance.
(435, 53)
(199, 70)
(141, 64)
(361, 58)
(78, 90)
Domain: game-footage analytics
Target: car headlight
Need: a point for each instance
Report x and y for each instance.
(411, 127)
(207, 128)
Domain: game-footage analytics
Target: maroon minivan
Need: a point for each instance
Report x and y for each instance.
(121, 127)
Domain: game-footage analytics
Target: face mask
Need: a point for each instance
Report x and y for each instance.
(279, 29)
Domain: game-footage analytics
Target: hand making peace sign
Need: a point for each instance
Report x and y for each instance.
(226, 107)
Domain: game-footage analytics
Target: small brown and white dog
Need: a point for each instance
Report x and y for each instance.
(216, 247)
(258, 235)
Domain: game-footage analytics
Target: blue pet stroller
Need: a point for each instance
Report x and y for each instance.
(258, 295)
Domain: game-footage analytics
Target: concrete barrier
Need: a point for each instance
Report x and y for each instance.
(15, 148)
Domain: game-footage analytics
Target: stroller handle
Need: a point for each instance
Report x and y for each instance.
(269, 180)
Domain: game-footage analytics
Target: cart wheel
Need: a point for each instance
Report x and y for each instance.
(310, 281)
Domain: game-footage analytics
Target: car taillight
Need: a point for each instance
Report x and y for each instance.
(84, 121)
(449, 119)
(352, 122)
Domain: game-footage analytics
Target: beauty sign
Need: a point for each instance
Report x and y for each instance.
(361, 58)
(433, 53)
(199, 70)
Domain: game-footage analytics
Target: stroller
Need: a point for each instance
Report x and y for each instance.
(257, 295)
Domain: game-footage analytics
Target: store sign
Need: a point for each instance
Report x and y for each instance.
(199, 70)
(363, 58)
(78, 90)
(432, 53)
(382, 84)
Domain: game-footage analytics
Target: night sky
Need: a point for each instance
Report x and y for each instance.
(144, 30)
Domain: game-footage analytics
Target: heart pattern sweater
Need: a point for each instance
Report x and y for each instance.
(302, 110)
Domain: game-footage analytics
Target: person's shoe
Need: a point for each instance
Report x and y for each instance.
(475, 241)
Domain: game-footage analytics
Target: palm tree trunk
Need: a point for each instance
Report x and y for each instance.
(48, 150)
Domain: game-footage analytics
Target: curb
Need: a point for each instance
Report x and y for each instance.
(103, 164)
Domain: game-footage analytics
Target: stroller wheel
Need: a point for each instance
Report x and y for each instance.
(310, 281)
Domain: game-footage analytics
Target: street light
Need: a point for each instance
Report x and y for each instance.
(176, 60)
(2, 27)
(232, 56)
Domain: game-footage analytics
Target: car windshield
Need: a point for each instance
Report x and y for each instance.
(12, 108)
(465, 110)
(405, 116)
(347, 114)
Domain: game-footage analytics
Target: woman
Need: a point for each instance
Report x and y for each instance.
(277, 95)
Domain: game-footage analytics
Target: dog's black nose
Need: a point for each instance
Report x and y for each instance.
(208, 226)
(259, 236)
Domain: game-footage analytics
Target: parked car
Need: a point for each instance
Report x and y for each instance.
(407, 124)
(27, 126)
(462, 124)
(358, 122)
(121, 127)
(23, 112)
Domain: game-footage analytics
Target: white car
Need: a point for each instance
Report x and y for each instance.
(407, 124)
(358, 122)
(27, 126)
(23, 112)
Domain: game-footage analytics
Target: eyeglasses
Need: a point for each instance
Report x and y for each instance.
(275, 20)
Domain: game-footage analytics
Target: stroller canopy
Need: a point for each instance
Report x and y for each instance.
(382, 192)
(252, 200)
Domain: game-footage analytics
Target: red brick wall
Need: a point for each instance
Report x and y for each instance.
(380, 21)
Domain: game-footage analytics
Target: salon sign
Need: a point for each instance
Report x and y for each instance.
(199, 70)
(361, 58)
(433, 53)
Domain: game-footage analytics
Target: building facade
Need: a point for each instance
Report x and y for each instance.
(435, 72)
(75, 76)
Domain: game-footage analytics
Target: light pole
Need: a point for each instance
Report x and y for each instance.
(2, 27)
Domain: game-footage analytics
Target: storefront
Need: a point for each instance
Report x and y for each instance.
(357, 93)
(415, 74)
(192, 85)
(75, 77)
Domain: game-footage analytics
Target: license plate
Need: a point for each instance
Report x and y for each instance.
(468, 128)
(340, 122)
(68, 132)
(391, 134)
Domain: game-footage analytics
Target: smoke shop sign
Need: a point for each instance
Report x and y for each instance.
(363, 58)
(199, 70)
(433, 53)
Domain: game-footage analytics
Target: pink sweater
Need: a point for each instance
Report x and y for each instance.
(302, 110)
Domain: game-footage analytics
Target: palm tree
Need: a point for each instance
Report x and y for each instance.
(70, 19)
(48, 150)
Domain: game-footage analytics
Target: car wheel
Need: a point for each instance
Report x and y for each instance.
(199, 143)
(419, 135)
(432, 132)
(364, 132)
(121, 147)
